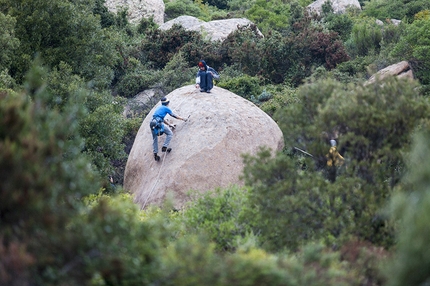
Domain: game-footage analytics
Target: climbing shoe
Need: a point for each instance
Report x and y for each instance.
(202, 90)
(208, 91)
(164, 149)
(156, 157)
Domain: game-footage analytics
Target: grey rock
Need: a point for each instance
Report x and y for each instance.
(400, 69)
(206, 150)
(138, 9)
(213, 30)
(138, 104)
(339, 6)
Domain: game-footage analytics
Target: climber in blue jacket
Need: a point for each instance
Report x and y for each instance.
(205, 76)
(158, 127)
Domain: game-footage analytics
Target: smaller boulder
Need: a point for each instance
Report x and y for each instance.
(214, 30)
(339, 6)
(401, 70)
(138, 9)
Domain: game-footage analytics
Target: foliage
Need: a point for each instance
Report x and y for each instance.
(268, 15)
(244, 86)
(107, 19)
(240, 49)
(339, 23)
(357, 67)
(43, 177)
(410, 208)
(326, 108)
(217, 213)
(281, 96)
(103, 130)
(62, 31)
(322, 226)
(8, 41)
(313, 47)
(301, 201)
(174, 9)
(160, 46)
(220, 4)
(418, 53)
(394, 9)
(146, 25)
(134, 82)
(176, 73)
(365, 37)
(239, 6)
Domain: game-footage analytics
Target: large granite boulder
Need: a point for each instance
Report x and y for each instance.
(214, 30)
(339, 6)
(206, 150)
(400, 69)
(138, 9)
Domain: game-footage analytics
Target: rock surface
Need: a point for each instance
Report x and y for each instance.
(141, 101)
(339, 6)
(206, 150)
(401, 70)
(214, 30)
(138, 9)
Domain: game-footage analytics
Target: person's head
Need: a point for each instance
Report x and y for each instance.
(333, 142)
(165, 101)
(202, 65)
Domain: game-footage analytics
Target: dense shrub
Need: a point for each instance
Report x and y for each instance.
(300, 201)
(269, 15)
(174, 9)
(62, 32)
(339, 23)
(410, 208)
(218, 214)
(365, 38)
(176, 74)
(134, 82)
(160, 46)
(244, 86)
(8, 41)
(394, 9)
(418, 54)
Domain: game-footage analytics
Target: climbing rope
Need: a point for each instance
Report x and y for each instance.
(159, 172)
(164, 157)
(156, 181)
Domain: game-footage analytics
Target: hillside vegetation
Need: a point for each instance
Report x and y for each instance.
(67, 69)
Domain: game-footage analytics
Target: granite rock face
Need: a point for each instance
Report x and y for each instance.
(400, 69)
(339, 6)
(138, 9)
(206, 150)
(214, 30)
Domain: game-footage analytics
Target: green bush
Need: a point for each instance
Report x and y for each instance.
(159, 47)
(299, 200)
(8, 41)
(134, 82)
(410, 208)
(339, 23)
(174, 9)
(176, 74)
(418, 54)
(281, 97)
(103, 130)
(245, 86)
(218, 214)
(394, 9)
(269, 15)
(365, 38)
(63, 32)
